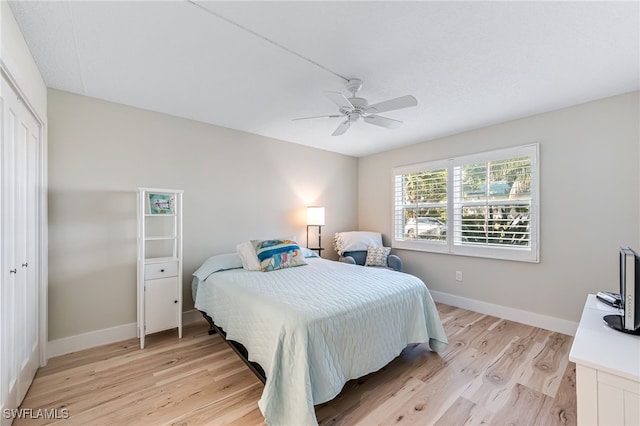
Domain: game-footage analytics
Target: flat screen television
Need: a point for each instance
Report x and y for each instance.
(629, 321)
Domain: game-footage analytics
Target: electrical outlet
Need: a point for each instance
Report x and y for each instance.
(458, 275)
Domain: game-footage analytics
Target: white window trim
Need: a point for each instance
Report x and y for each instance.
(529, 254)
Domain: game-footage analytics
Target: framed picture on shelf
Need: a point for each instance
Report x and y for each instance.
(161, 204)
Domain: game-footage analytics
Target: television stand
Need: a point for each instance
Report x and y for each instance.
(607, 369)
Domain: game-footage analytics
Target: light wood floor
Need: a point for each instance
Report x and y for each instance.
(493, 372)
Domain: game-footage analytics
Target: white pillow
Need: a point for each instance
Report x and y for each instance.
(248, 256)
(356, 241)
(220, 262)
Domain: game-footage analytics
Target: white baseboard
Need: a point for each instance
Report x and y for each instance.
(105, 336)
(530, 318)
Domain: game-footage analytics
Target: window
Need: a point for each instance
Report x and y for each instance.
(478, 205)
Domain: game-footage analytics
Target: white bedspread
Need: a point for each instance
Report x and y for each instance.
(314, 327)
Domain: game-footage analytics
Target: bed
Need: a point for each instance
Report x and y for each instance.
(314, 327)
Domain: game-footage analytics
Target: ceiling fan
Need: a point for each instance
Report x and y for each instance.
(358, 109)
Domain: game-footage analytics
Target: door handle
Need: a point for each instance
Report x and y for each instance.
(25, 265)
(13, 271)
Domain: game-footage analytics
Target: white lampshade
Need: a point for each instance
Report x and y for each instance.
(315, 216)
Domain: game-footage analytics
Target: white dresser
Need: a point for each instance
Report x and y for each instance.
(607, 369)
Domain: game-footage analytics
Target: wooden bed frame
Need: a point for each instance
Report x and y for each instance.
(237, 348)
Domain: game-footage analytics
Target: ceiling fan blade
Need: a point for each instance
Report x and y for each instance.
(389, 123)
(343, 127)
(391, 104)
(339, 99)
(318, 116)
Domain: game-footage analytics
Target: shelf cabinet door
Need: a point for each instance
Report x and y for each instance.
(162, 309)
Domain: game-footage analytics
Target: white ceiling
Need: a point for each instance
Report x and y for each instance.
(469, 64)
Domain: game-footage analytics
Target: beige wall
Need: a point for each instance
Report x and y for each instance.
(240, 186)
(589, 206)
(237, 186)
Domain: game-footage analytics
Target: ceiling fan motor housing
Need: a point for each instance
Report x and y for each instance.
(359, 103)
(359, 108)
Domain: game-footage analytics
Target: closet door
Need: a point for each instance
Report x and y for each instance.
(8, 325)
(19, 292)
(26, 251)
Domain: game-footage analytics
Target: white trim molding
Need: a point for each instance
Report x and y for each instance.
(525, 317)
(79, 342)
(106, 336)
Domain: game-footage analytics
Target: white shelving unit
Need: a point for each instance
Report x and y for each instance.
(159, 261)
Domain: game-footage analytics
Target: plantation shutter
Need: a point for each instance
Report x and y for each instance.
(483, 204)
(492, 203)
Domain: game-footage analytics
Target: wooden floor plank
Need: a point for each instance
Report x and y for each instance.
(561, 410)
(522, 405)
(549, 365)
(491, 389)
(464, 412)
(492, 372)
(227, 411)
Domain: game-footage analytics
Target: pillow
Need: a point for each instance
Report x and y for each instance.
(248, 256)
(308, 252)
(356, 241)
(377, 256)
(220, 262)
(278, 254)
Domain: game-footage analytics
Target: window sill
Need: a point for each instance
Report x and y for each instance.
(497, 253)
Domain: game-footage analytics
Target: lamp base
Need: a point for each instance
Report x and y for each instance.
(319, 247)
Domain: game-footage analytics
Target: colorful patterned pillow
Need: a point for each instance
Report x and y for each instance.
(377, 256)
(278, 254)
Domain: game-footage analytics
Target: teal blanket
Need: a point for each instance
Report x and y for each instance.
(314, 327)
